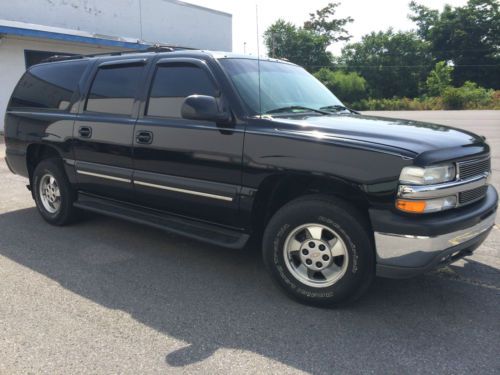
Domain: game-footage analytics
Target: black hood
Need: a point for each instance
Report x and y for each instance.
(413, 137)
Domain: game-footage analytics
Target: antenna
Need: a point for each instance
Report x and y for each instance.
(258, 54)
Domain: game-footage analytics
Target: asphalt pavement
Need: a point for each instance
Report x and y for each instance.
(106, 296)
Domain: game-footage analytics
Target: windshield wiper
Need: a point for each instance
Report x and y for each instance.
(337, 108)
(290, 108)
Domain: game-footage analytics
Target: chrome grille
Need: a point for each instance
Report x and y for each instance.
(470, 196)
(472, 168)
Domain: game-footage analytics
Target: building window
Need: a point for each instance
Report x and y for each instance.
(172, 84)
(36, 57)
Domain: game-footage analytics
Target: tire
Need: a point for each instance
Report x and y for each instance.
(56, 204)
(339, 265)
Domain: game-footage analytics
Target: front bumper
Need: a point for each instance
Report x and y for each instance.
(408, 246)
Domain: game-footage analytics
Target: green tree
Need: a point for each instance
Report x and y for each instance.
(307, 45)
(347, 86)
(284, 40)
(393, 63)
(439, 79)
(468, 35)
(323, 22)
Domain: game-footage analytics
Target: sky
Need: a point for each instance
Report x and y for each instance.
(369, 15)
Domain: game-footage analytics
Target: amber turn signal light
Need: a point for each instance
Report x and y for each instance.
(416, 207)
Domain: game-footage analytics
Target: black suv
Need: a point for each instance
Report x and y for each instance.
(221, 148)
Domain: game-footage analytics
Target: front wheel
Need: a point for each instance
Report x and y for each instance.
(319, 250)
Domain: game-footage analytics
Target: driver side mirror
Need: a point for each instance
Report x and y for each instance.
(204, 107)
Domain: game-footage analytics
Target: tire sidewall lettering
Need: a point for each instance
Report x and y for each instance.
(295, 285)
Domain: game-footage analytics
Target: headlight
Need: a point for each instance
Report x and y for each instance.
(427, 176)
(426, 206)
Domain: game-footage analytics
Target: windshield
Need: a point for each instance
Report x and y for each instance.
(284, 87)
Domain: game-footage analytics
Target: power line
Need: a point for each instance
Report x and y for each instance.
(492, 49)
(400, 66)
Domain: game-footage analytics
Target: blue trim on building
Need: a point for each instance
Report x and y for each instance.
(69, 38)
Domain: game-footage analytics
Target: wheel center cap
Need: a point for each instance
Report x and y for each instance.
(315, 254)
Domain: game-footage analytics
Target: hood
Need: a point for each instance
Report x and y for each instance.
(411, 137)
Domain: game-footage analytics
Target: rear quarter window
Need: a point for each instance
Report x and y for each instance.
(48, 86)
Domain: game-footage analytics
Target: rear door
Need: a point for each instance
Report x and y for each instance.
(103, 131)
(188, 167)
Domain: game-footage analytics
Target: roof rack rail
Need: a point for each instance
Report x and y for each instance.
(149, 49)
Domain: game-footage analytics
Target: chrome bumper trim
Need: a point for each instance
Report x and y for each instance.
(415, 251)
(442, 190)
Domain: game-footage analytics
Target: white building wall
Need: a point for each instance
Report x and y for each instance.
(186, 25)
(12, 63)
(165, 21)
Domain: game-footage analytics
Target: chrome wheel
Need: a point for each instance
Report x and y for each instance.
(50, 194)
(315, 255)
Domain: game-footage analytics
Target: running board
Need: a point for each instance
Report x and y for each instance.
(170, 223)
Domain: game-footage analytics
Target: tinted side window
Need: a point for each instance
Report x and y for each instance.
(171, 84)
(48, 86)
(114, 89)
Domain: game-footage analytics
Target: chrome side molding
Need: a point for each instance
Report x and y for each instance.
(184, 191)
(156, 186)
(105, 176)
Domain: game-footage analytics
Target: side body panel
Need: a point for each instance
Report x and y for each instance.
(191, 168)
(102, 142)
(27, 127)
(362, 173)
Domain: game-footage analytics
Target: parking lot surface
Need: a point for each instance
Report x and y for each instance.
(108, 296)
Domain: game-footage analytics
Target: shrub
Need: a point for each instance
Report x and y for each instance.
(398, 104)
(439, 79)
(469, 96)
(348, 87)
(453, 98)
(495, 100)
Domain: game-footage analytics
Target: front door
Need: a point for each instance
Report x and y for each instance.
(103, 131)
(187, 167)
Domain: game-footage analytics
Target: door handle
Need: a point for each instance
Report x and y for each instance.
(85, 131)
(144, 137)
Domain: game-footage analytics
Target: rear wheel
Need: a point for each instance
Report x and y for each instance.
(319, 250)
(53, 193)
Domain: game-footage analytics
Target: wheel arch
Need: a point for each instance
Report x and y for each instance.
(35, 153)
(277, 190)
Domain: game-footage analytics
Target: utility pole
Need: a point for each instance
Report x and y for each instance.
(273, 40)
